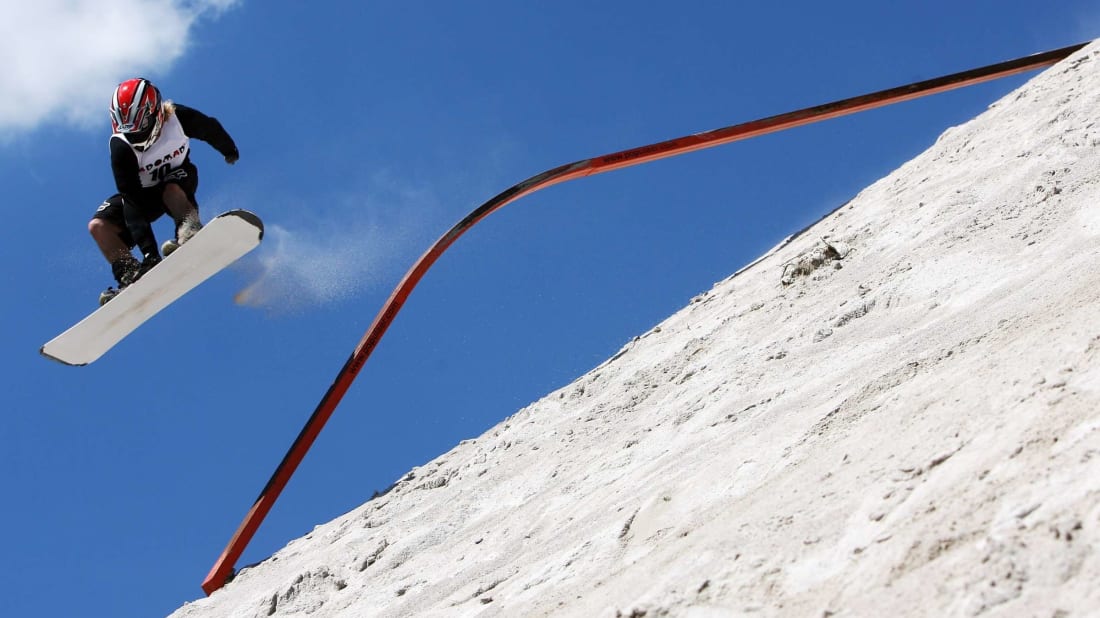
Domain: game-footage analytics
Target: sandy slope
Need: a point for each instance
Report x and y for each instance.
(896, 413)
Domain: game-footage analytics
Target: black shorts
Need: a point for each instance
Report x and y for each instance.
(150, 201)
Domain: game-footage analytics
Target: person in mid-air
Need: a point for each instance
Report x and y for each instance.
(150, 158)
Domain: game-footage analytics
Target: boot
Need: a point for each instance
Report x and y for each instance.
(188, 227)
(126, 271)
(185, 229)
(169, 246)
(107, 295)
(147, 264)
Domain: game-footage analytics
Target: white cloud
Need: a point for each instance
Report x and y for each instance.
(65, 56)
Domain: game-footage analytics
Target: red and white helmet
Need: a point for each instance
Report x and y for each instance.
(136, 111)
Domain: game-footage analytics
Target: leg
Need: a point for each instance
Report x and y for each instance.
(113, 235)
(109, 230)
(183, 210)
(178, 196)
(187, 224)
(139, 225)
(108, 237)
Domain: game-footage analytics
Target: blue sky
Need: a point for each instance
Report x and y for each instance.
(366, 130)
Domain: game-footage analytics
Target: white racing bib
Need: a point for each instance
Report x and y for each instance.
(156, 163)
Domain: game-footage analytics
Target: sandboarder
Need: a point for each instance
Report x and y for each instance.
(150, 158)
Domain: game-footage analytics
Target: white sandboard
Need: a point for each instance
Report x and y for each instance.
(218, 244)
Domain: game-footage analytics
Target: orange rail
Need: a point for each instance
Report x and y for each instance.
(223, 568)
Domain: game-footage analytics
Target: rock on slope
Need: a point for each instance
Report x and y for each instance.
(897, 411)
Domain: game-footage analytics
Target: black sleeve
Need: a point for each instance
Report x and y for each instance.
(206, 128)
(124, 165)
